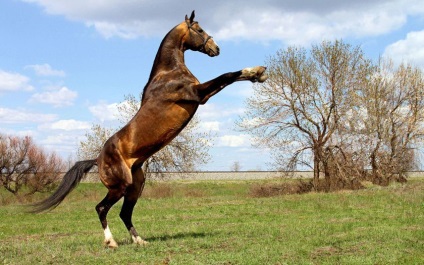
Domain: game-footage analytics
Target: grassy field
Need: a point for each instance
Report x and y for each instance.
(221, 223)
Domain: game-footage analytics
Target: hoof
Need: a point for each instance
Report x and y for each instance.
(139, 241)
(111, 244)
(254, 74)
(262, 78)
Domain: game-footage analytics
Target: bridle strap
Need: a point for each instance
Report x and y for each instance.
(205, 40)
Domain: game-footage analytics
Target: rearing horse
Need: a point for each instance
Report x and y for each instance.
(170, 99)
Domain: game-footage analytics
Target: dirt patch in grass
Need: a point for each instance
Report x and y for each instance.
(325, 251)
(193, 193)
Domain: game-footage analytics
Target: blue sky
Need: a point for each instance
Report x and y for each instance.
(65, 65)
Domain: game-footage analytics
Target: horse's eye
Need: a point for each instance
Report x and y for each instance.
(200, 30)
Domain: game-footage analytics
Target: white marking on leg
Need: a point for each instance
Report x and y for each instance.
(110, 242)
(108, 234)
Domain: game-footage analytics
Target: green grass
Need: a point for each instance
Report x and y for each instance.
(219, 223)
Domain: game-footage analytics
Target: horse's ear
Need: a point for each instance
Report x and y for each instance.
(192, 17)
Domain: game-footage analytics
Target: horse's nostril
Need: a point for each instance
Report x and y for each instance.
(217, 50)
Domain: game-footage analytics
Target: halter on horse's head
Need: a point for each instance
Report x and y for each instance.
(198, 39)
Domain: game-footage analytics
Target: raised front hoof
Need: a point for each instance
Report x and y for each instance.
(255, 74)
(111, 244)
(139, 241)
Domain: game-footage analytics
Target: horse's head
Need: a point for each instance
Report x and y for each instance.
(198, 40)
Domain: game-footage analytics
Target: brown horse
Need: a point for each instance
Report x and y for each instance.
(170, 99)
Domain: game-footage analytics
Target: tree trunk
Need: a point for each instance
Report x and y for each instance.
(315, 181)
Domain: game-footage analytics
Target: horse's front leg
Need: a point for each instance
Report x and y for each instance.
(210, 88)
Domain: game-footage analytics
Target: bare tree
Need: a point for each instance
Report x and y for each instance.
(392, 120)
(46, 169)
(95, 139)
(298, 110)
(337, 112)
(185, 153)
(22, 163)
(14, 164)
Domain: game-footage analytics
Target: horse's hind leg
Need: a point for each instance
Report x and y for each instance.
(103, 208)
(131, 196)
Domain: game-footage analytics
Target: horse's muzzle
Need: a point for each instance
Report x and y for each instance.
(212, 49)
(214, 52)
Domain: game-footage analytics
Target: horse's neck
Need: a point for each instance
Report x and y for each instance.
(170, 54)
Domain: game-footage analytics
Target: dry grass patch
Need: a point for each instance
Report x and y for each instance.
(259, 190)
(158, 190)
(287, 187)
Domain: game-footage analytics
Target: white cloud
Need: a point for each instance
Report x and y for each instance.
(241, 140)
(45, 70)
(213, 111)
(239, 90)
(294, 22)
(65, 125)
(62, 142)
(252, 122)
(18, 132)
(209, 126)
(123, 111)
(304, 25)
(22, 116)
(14, 82)
(410, 49)
(125, 19)
(105, 112)
(58, 97)
(130, 30)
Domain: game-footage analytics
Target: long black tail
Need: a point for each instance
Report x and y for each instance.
(71, 179)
